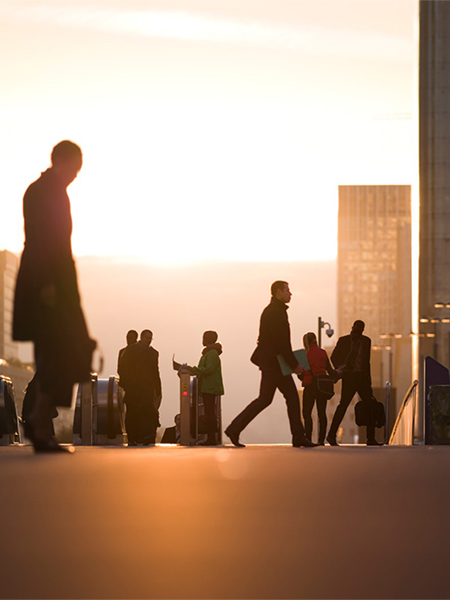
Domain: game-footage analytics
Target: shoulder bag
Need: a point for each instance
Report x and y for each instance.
(325, 385)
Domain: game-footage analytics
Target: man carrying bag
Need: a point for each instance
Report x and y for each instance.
(351, 359)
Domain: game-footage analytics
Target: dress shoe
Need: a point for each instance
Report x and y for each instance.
(234, 437)
(49, 446)
(304, 442)
(374, 443)
(148, 441)
(332, 440)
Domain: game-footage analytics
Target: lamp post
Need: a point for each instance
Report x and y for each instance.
(320, 325)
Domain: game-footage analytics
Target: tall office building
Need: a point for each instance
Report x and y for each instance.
(434, 169)
(374, 275)
(9, 264)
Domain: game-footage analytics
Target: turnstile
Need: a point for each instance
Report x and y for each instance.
(99, 418)
(10, 432)
(192, 412)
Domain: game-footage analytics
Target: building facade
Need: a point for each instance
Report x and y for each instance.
(374, 277)
(434, 186)
(9, 264)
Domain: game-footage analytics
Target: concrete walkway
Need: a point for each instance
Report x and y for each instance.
(259, 522)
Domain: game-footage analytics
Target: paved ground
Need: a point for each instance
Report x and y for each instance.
(261, 522)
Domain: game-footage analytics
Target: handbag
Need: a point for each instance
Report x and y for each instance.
(370, 413)
(325, 386)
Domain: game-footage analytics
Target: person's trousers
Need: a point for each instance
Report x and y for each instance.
(141, 418)
(272, 380)
(312, 395)
(50, 375)
(352, 383)
(209, 402)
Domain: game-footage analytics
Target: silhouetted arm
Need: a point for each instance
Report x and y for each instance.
(330, 369)
(369, 345)
(340, 353)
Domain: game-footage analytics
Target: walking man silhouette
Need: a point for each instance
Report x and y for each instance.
(351, 358)
(274, 339)
(47, 306)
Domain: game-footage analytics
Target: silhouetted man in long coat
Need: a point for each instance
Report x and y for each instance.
(132, 338)
(139, 377)
(47, 309)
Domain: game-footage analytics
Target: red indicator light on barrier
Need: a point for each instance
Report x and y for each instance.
(185, 393)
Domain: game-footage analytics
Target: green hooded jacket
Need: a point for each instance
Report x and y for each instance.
(209, 370)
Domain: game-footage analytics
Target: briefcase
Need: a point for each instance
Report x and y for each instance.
(370, 413)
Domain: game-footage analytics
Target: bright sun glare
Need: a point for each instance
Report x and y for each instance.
(203, 188)
(207, 135)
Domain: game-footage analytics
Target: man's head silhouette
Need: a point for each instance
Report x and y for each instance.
(67, 160)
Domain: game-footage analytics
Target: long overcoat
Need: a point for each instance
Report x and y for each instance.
(59, 332)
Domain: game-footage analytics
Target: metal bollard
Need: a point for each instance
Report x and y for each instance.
(99, 417)
(83, 424)
(185, 407)
(191, 407)
(109, 414)
(10, 432)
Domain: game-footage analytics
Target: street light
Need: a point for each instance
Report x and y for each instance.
(421, 335)
(320, 325)
(434, 321)
(385, 336)
(441, 305)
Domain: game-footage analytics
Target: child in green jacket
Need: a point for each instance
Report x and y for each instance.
(209, 371)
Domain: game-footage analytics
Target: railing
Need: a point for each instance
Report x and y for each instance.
(403, 430)
(387, 404)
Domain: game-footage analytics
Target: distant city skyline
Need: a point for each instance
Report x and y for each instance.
(9, 265)
(215, 129)
(374, 280)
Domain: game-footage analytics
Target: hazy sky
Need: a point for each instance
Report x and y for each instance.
(213, 128)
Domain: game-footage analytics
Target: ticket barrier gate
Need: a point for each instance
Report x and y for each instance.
(10, 432)
(192, 412)
(99, 418)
